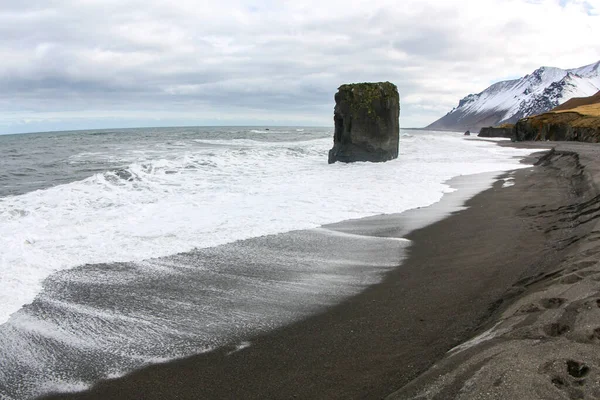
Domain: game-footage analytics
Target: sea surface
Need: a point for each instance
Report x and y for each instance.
(121, 248)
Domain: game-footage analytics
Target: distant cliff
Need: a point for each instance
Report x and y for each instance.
(504, 131)
(509, 101)
(578, 120)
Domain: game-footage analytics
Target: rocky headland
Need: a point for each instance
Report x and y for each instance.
(575, 120)
(366, 123)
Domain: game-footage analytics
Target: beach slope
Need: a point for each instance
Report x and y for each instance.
(461, 275)
(543, 345)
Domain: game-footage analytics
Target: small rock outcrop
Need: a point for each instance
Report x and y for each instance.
(502, 131)
(468, 133)
(366, 123)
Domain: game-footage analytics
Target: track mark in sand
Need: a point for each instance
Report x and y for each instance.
(567, 242)
(530, 280)
(528, 309)
(593, 236)
(584, 264)
(572, 382)
(595, 336)
(577, 369)
(587, 273)
(570, 279)
(590, 304)
(558, 382)
(497, 382)
(557, 329)
(553, 302)
(590, 252)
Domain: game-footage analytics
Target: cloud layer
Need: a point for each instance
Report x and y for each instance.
(100, 63)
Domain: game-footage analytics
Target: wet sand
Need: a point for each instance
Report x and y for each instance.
(460, 275)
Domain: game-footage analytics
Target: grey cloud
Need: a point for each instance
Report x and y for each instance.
(262, 57)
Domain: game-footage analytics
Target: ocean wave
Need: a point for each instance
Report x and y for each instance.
(215, 195)
(107, 249)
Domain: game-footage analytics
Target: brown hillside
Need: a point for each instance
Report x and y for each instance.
(579, 124)
(581, 117)
(589, 110)
(577, 119)
(578, 102)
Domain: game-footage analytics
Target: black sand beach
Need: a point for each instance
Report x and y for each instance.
(462, 273)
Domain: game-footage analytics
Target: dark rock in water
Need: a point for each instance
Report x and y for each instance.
(468, 133)
(366, 123)
(502, 132)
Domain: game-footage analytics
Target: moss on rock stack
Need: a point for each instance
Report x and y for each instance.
(366, 123)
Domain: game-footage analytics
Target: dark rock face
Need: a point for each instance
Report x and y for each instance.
(504, 132)
(468, 133)
(366, 123)
(560, 126)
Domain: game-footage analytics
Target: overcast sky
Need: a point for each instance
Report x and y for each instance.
(124, 63)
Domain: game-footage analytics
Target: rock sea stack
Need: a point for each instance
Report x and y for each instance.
(366, 123)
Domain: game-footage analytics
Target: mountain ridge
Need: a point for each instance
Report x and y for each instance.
(510, 100)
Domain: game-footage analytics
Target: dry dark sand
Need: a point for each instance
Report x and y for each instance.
(545, 343)
(462, 273)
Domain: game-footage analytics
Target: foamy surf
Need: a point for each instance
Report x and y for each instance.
(223, 191)
(93, 268)
(127, 315)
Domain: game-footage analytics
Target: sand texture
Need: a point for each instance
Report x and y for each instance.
(545, 344)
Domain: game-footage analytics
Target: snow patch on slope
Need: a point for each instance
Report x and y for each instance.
(508, 101)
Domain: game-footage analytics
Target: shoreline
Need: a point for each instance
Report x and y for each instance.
(543, 343)
(366, 230)
(380, 340)
(125, 316)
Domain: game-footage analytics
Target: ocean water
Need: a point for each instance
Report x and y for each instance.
(129, 247)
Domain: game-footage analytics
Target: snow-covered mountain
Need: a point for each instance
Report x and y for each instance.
(509, 101)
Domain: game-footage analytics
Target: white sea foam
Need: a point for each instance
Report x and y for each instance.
(508, 182)
(239, 347)
(222, 192)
